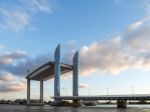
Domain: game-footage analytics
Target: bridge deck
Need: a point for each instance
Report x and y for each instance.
(106, 97)
(46, 71)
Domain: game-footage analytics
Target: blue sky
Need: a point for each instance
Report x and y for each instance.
(112, 36)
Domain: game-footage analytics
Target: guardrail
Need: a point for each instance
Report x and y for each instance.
(107, 97)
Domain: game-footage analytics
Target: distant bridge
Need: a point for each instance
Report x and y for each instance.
(121, 99)
(106, 97)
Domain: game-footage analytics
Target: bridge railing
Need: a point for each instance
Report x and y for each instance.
(107, 97)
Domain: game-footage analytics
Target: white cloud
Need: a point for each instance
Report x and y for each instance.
(138, 39)
(128, 51)
(12, 86)
(10, 82)
(40, 5)
(135, 26)
(18, 15)
(83, 85)
(6, 76)
(107, 56)
(66, 76)
(15, 19)
(10, 57)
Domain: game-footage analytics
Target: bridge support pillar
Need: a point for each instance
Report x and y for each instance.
(41, 92)
(121, 104)
(57, 72)
(28, 91)
(75, 75)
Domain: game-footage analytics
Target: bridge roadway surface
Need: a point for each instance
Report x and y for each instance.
(106, 97)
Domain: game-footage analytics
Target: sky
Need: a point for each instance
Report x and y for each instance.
(112, 37)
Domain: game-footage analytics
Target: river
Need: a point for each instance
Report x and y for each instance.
(47, 108)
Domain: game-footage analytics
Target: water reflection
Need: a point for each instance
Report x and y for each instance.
(19, 108)
(41, 109)
(27, 109)
(121, 110)
(75, 109)
(56, 109)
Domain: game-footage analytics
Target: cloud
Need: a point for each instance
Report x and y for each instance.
(10, 57)
(18, 15)
(135, 25)
(39, 5)
(28, 63)
(130, 50)
(12, 86)
(14, 19)
(6, 76)
(83, 85)
(138, 38)
(105, 56)
(9, 82)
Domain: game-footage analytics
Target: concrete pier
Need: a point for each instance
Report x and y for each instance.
(57, 72)
(28, 91)
(121, 104)
(41, 92)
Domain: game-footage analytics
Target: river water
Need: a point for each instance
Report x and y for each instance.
(103, 108)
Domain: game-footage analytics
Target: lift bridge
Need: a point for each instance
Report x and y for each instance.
(55, 68)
